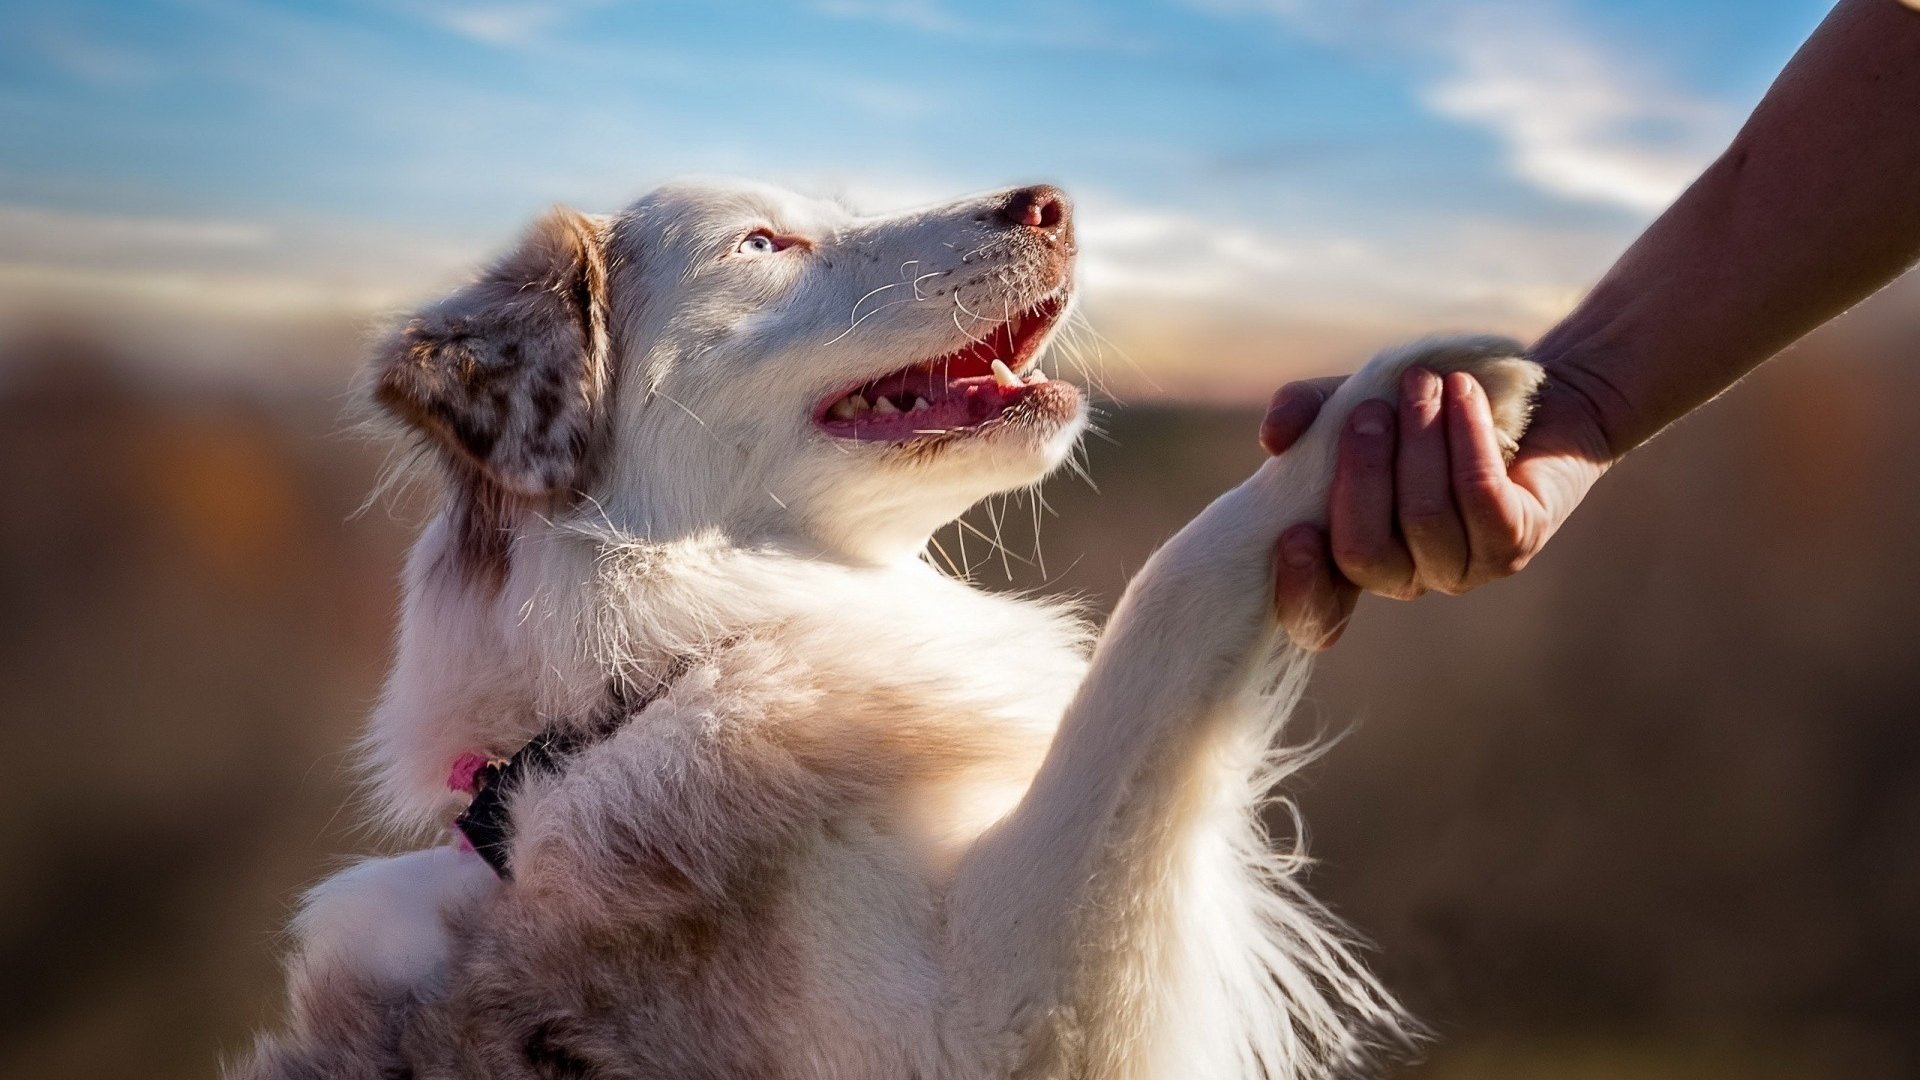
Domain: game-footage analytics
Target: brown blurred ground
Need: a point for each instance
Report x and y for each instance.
(1651, 810)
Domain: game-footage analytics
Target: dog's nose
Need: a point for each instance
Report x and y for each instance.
(1042, 206)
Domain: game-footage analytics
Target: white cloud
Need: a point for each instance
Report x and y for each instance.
(500, 24)
(98, 62)
(1153, 258)
(1069, 27)
(1579, 117)
(1226, 309)
(510, 24)
(922, 15)
(217, 265)
(43, 233)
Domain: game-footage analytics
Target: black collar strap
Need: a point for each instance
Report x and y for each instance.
(485, 822)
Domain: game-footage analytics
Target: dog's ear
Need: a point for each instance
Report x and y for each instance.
(509, 373)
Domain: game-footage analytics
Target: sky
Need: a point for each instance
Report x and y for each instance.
(1261, 184)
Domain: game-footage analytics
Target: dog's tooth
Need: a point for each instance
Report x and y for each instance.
(1004, 376)
(1036, 377)
(858, 403)
(885, 407)
(920, 405)
(842, 410)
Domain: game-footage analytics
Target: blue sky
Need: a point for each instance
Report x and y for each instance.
(1284, 177)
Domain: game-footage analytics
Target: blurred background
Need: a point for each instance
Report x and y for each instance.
(1649, 810)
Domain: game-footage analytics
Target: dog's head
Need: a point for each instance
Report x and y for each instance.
(744, 358)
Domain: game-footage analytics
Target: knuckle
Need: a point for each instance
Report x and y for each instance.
(1512, 563)
(1480, 486)
(1507, 543)
(1493, 562)
(1359, 555)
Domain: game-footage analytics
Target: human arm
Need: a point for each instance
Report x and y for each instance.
(1809, 210)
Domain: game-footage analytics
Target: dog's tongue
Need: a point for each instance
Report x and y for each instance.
(966, 388)
(922, 403)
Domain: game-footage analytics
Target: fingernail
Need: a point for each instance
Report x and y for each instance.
(1420, 384)
(1367, 419)
(1296, 399)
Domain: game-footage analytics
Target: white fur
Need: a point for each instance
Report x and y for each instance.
(1000, 856)
(385, 918)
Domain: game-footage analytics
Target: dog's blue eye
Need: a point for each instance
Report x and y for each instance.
(760, 242)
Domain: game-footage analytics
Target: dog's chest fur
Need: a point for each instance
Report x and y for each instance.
(758, 853)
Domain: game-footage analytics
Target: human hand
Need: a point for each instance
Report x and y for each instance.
(1422, 499)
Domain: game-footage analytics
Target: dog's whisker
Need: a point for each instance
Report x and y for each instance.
(925, 276)
(657, 392)
(993, 543)
(934, 544)
(1124, 355)
(960, 539)
(856, 325)
(992, 507)
(853, 318)
(962, 307)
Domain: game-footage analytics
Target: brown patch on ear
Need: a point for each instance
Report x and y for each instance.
(508, 374)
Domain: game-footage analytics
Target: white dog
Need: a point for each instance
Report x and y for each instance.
(780, 800)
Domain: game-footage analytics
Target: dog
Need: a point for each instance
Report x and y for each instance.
(747, 787)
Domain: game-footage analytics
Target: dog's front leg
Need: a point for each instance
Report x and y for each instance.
(1063, 893)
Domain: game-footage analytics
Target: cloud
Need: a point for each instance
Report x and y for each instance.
(1201, 306)
(1577, 119)
(1048, 28)
(921, 15)
(1578, 116)
(499, 24)
(216, 265)
(98, 62)
(510, 24)
(1211, 308)
(39, 232)
(1448, 270)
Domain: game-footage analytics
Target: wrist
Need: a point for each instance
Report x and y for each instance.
(1580, 399)
(1572, 419)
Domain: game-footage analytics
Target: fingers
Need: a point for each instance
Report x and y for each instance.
(1362, 506)
(1494, 517)
(1292, 411)
(1314, 603)
(1421, 499)
(1435, 537)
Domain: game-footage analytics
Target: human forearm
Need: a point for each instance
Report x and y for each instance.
(1811, 209)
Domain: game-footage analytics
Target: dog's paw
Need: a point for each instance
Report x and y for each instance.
(1498, 364)
(383, 920)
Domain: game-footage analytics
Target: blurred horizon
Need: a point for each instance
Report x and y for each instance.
(1645, 812)
(1266, 187)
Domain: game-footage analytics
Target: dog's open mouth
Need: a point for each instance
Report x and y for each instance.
(969, 389)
